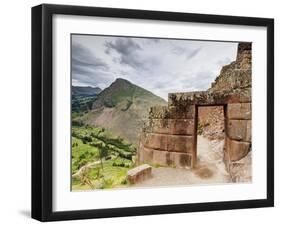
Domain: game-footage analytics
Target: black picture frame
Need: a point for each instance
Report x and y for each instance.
(42, 111)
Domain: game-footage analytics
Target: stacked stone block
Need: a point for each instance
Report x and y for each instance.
(168, 140)
(238, 131)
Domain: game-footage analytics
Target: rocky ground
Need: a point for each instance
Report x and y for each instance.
(211, 126)
(210, 168)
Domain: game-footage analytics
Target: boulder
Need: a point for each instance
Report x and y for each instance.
(139, 173)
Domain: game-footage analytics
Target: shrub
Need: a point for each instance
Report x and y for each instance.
(127, 165)
(86, 139)
(200, 128)
(73, 134)
(118, 163)
(124, 181)
(77, 123)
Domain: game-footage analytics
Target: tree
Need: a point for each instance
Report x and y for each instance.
(103, 151)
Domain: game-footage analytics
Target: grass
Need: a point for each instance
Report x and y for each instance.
(88, 143)
(108, 177)
(82, 154)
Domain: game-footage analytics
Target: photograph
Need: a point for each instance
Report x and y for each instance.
(159, 112)
(145, 112)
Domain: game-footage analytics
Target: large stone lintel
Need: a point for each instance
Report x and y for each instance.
(183, 100)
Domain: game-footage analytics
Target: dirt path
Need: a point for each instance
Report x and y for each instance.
(210, 168)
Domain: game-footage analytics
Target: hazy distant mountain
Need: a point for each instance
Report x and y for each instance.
(85, 90)
(122, 108)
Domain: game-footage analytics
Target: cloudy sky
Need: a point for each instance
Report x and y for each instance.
(161, 66)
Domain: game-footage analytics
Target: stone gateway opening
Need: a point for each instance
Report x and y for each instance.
(210, 139)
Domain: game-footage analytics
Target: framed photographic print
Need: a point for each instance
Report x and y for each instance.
(145, 112)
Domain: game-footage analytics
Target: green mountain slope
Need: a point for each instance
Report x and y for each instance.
(123, 108)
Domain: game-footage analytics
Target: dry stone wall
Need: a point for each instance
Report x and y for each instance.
(169, 138)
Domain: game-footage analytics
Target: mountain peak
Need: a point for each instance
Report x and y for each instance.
(122, 90)
(121, 80)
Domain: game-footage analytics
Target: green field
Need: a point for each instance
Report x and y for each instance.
(99, 159)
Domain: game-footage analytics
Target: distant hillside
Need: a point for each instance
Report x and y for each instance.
(123, 108)
(83, 98)
(85, 91)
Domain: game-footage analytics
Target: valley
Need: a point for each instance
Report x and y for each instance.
(105, 129)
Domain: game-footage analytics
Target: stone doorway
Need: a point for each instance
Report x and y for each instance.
(210, 123)
(210, 126)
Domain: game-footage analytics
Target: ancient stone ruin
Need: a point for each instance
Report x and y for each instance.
(170, 136)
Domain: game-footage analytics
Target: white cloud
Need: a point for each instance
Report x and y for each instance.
(159, 65)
